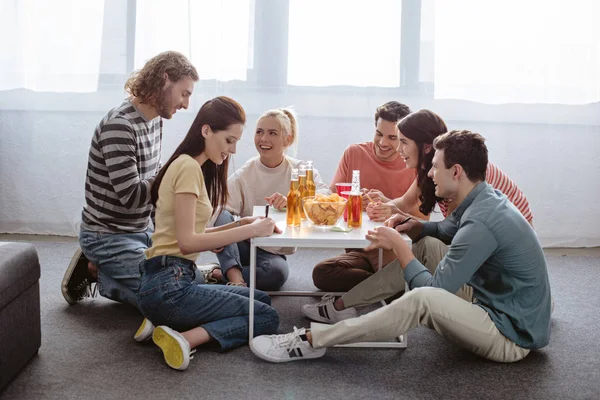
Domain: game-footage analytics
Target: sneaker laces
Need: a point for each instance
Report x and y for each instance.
(192, 352)
(328, 298)
(208, 276)
(288, 340)
(86, 287)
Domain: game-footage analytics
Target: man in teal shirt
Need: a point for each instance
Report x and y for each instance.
(493, 251)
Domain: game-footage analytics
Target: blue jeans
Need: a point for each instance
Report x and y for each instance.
(168, 295)
(272, 270)
(118, 257)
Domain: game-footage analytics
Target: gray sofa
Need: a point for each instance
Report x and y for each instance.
(20, 331)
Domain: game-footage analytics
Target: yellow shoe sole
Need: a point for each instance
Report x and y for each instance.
(144, 332)
(172, 346)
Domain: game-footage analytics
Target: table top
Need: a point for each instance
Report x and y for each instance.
(308, 235)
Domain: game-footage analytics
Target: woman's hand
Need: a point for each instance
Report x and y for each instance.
(373, 196)
(264, 227)
(380, 212)
(277, 200)
(382, 237)
(248, 220)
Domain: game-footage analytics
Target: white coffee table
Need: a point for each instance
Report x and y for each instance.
(315, 237)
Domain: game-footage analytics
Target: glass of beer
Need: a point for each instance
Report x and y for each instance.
(354, 208)
(343, 189)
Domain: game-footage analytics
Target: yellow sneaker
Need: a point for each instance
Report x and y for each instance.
(144, 332)
(174, 346)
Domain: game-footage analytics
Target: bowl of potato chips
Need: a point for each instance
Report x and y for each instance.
(324, 210)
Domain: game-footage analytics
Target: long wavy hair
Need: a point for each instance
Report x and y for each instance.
(147, 83)
(218, 113)
(423, 127)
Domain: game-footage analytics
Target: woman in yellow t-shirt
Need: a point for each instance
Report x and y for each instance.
(187, 189)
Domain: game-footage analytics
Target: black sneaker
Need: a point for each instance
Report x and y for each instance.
(77, 282)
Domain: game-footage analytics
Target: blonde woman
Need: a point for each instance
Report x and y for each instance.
(264, 179)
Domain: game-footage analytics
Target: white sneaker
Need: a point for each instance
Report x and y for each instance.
(207, 272)
(291, 346)
(175, 348)
(144, 332)
(325, 312)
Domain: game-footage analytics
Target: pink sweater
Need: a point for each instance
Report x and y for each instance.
(391, 178)
(499, 180)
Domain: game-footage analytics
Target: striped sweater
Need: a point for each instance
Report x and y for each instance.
(499, 180)
(123, 161)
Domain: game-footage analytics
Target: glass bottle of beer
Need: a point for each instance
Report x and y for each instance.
(293, 201)
(303, 190)
(355, 202)
(310, 179)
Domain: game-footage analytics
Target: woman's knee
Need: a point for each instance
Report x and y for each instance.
(273, 319)
(261, 296)
(224, 218)
(273, 274)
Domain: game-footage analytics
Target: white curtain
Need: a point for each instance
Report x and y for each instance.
(341, 42)
(525, 74)
(50, 46)
(214, 35)
(518, 51)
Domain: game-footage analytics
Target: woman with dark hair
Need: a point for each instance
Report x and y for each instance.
(416, 133)
(187, 190)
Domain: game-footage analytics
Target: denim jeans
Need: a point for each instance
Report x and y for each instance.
(272, 270)
(118, 257)
(168, 295)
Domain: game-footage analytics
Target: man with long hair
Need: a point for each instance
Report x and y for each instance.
(123, 162)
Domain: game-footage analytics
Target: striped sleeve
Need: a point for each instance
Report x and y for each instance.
(499, 180)
(118, 147)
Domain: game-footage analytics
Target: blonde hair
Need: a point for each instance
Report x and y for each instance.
(146, 84)
(288, 121)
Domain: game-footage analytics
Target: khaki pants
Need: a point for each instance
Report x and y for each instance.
(390, 280)
(452, 316)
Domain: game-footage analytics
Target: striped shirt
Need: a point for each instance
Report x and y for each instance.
(499, 180)
(124, 158)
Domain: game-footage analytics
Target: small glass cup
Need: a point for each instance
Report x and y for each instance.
(345, 195)
(341, 188)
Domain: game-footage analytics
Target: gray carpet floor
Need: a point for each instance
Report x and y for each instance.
(88, 352)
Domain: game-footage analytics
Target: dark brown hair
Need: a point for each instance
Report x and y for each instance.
(147, 83)
(466, 149)
(218, 113)
(423, 127)
(392, 111)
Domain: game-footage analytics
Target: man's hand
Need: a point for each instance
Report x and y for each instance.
(220, 249)
(405, 223)
(277, 200)
(380, 212)
(383, 237)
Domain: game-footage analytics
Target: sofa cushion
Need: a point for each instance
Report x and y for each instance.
(19, 269)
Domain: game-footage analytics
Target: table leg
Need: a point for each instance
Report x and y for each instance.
(252, 277)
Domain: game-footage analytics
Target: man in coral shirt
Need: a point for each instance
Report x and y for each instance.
(384, 176)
